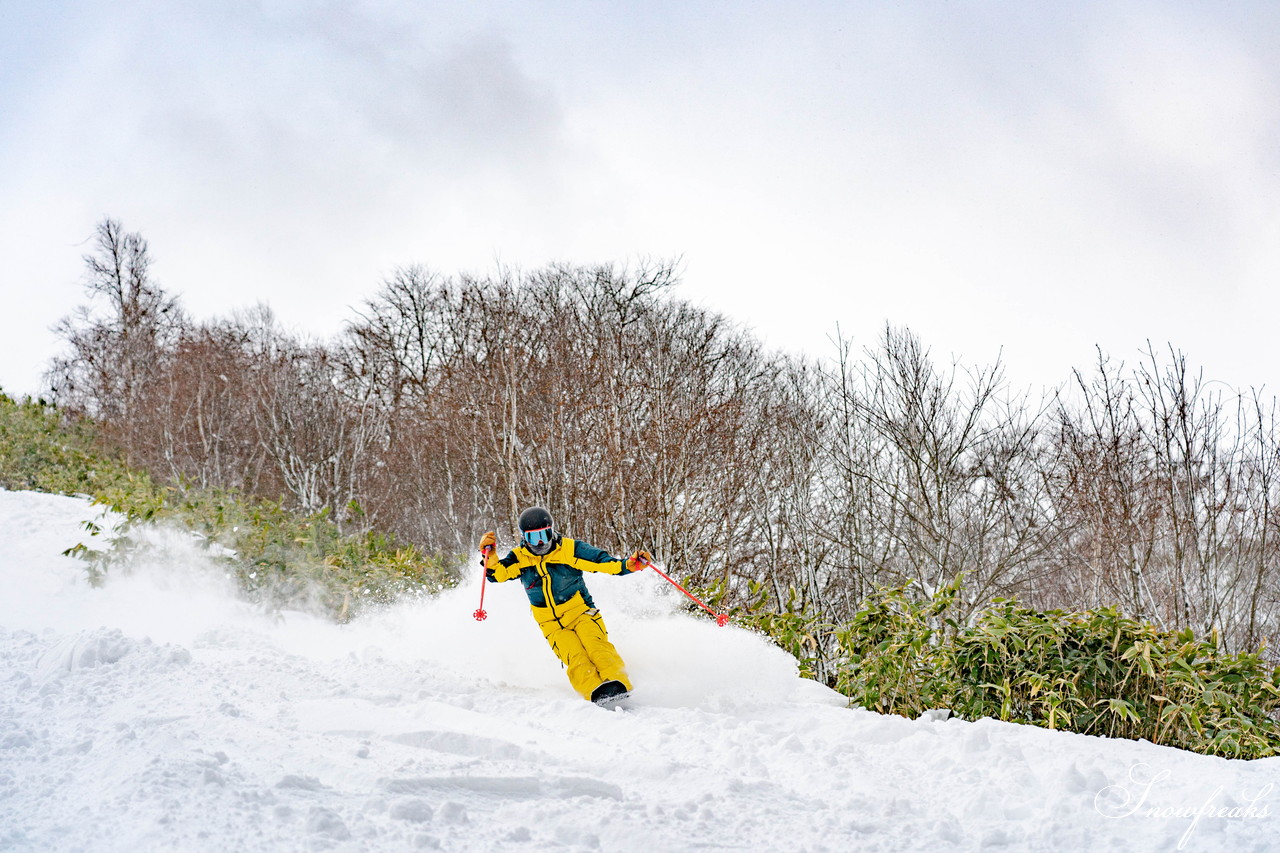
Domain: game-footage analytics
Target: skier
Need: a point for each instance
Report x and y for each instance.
(550, 566)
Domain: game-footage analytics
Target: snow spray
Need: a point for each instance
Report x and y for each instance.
(722, 619)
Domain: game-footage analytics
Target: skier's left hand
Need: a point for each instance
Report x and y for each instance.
(637, 561)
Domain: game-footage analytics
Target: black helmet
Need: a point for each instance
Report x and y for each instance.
(536, 532)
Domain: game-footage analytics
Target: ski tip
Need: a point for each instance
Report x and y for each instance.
(615, 703)
(609, 694)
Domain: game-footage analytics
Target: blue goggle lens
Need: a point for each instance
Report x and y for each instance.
(538, 537)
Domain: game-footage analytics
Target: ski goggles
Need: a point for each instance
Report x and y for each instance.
(539, 537)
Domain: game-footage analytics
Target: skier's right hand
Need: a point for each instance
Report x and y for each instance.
(488, 547)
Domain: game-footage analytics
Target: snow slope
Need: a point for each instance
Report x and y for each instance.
(160, 713)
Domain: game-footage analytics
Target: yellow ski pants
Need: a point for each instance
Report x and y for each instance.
(581, 642)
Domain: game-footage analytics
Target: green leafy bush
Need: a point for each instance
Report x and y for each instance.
(42, 451)
(1099, 672)
(1094, 672)
(277, 556)
(285, 558)
(892, 656)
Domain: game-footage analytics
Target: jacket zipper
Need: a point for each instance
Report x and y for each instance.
(546, 590)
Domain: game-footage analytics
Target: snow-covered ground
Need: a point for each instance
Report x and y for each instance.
(160, 713)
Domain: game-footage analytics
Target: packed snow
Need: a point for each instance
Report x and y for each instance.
(160, 712)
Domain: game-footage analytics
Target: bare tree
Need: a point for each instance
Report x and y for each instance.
(118, 342)
(930, 478)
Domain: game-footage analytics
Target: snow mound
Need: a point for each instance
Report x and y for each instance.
(160, 712)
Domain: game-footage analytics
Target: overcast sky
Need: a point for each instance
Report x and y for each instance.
(1037, 178)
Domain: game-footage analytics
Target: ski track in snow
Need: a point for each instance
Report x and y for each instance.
(159, 713)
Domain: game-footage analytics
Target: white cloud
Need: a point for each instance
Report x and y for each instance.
(1039, 180)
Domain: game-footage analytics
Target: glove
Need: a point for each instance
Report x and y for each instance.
(637, 561)
(488, 549)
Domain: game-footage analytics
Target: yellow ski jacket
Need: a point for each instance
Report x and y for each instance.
(554, 582)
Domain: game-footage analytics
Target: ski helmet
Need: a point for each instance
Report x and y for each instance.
(536, 531)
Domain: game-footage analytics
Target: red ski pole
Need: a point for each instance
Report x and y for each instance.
(484, 553)
(722, 619)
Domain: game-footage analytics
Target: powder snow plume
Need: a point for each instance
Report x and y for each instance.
(160, 712)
